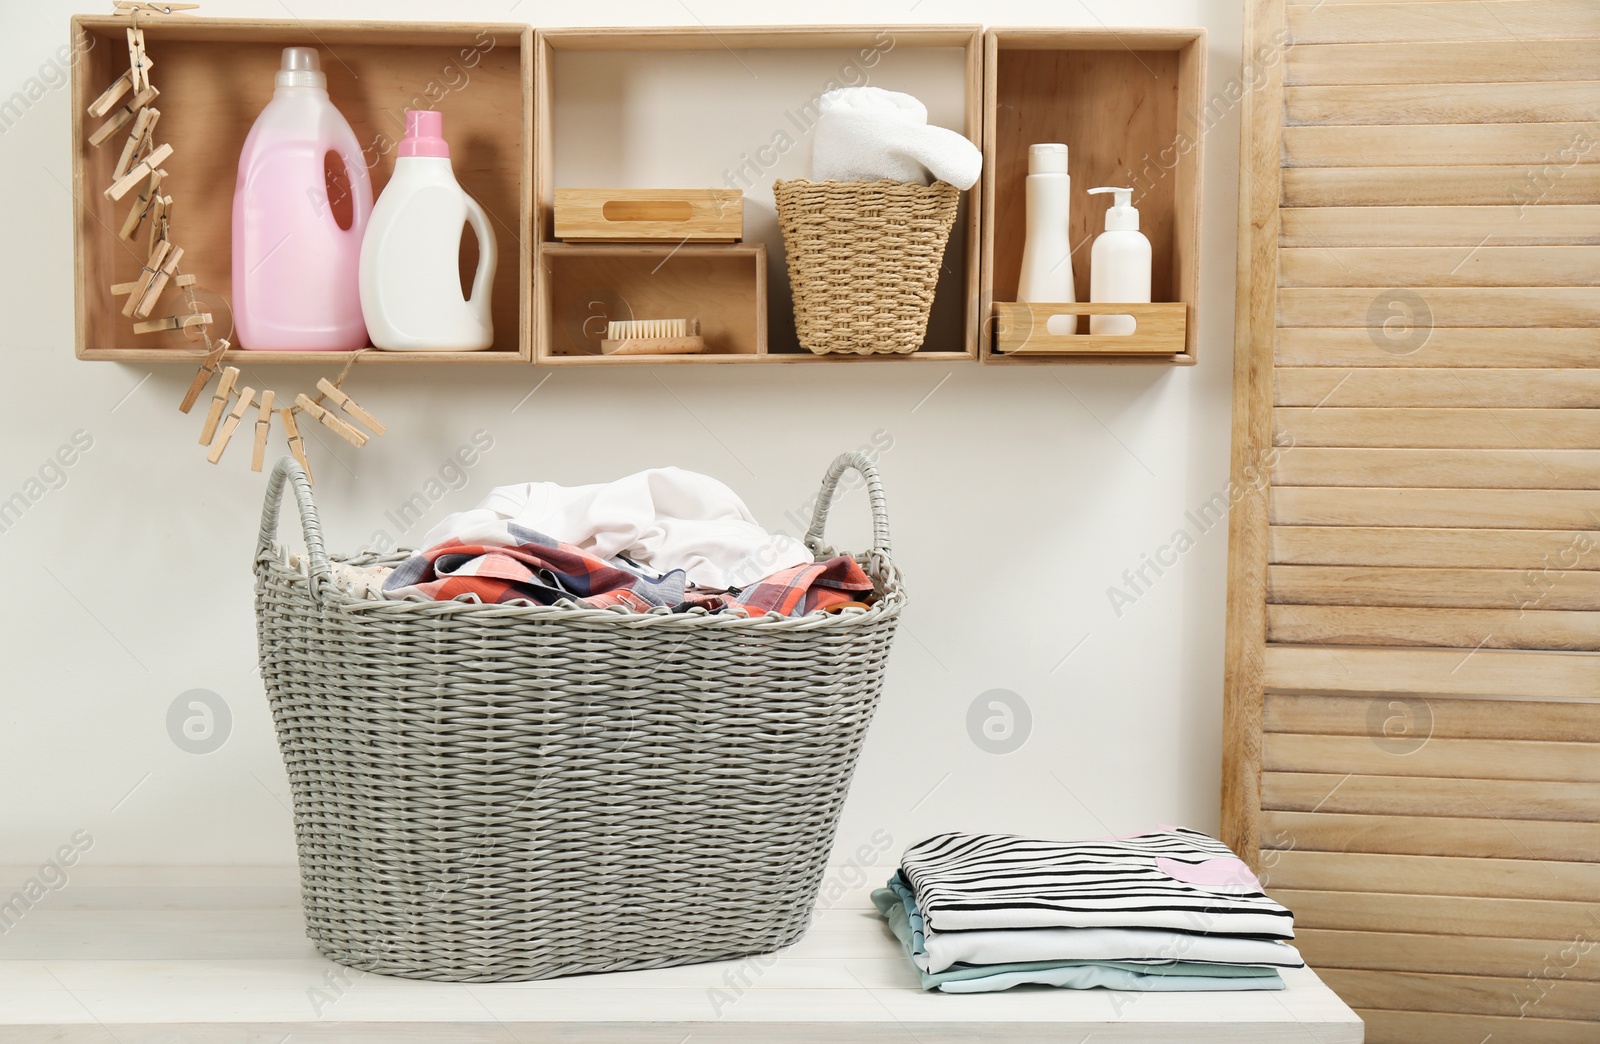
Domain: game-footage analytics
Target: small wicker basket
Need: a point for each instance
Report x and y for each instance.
(864, 260)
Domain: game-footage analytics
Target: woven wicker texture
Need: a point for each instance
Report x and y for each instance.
(863, 260)
(488, 792)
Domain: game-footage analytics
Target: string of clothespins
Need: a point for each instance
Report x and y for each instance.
(127, 103)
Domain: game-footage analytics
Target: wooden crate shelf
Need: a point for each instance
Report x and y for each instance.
(215, 77)
(585, 285)
(1124, 103)
(586, 108)
(735, 116)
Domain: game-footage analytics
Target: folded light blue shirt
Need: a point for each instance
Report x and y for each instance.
(898, 906)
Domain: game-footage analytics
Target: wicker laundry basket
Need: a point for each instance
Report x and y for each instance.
(864, 260)
(488, 792)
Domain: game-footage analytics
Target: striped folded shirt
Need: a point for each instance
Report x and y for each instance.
(935, 952)
(1173, 878)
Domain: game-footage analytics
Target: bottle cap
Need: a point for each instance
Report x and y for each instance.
(424, 134)
(1047, 159)
(1122, 217)
(301, 67)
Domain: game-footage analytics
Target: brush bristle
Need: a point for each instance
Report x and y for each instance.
(644, 329)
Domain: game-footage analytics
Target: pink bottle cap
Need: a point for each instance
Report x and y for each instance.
(424, 134)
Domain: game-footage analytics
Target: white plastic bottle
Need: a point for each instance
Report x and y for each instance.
(1119, 264)
(1047, 248)
(411, 256)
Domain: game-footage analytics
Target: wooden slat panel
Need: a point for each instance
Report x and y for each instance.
(1556, 144)
(1410, 835)
(1433, 588)
(1491, 508)
(1421, 796)
(1450, 954)
(1434, 628)
(1446, 719)
(1439, 468)
(1512, 997)
(1489, 20)
(1435, 428)
(1443, 103)
(1436, 915)
(1420, 267)
(1433, 875)
(1502, 61)
(1373, 186)
(1461, 347)
(1261, 123)
(1445, 672)
(1435, 548)
(1423, 1027)
(1433, 757)
(1532, 306)
(1500, 388)
(1510, 225)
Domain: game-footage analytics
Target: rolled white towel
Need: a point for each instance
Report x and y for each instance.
(868, 133)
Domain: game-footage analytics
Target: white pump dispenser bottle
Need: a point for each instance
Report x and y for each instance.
(1119, 264)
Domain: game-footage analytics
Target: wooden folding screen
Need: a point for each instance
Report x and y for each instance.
(1413, 683)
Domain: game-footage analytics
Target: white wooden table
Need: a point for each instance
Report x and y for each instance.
(147, 955)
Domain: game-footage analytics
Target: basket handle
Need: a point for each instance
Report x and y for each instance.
(289, 470)
(830, 485)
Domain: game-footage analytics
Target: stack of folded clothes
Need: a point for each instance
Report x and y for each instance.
(1168, 910)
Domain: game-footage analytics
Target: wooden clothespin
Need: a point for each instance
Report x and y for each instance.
(111, 95)
(174, 322)
(152, 293)
(129, 7)
(147, 275)
(138, 64)
(297, 445)
(160, 218)
(219, 402)
(258, 456)
(349, 405)
(145, 205)
(229, 426)
(122, 115)
(203, 376)
(139, 139)
(143, 170)
(332, 423)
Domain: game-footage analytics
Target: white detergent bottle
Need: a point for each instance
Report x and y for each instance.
(411, 256)
(1119, 264)
(1047, 247)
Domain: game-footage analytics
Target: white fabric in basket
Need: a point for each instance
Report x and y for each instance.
(661, 519)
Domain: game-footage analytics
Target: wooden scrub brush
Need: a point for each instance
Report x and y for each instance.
(653, 337)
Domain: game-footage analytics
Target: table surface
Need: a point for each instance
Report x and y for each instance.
(139, 955)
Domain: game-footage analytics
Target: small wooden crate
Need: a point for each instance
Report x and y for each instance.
(583, 286)
(1024, 329)
(641, 215)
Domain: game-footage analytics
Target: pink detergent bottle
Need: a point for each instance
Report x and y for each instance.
(296, 273)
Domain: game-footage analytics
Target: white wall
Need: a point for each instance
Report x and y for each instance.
(1018, 497)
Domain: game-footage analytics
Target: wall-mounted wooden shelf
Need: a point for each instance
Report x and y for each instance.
(729, 108)
(215, 76)
(1124, 102)
(686, 108)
